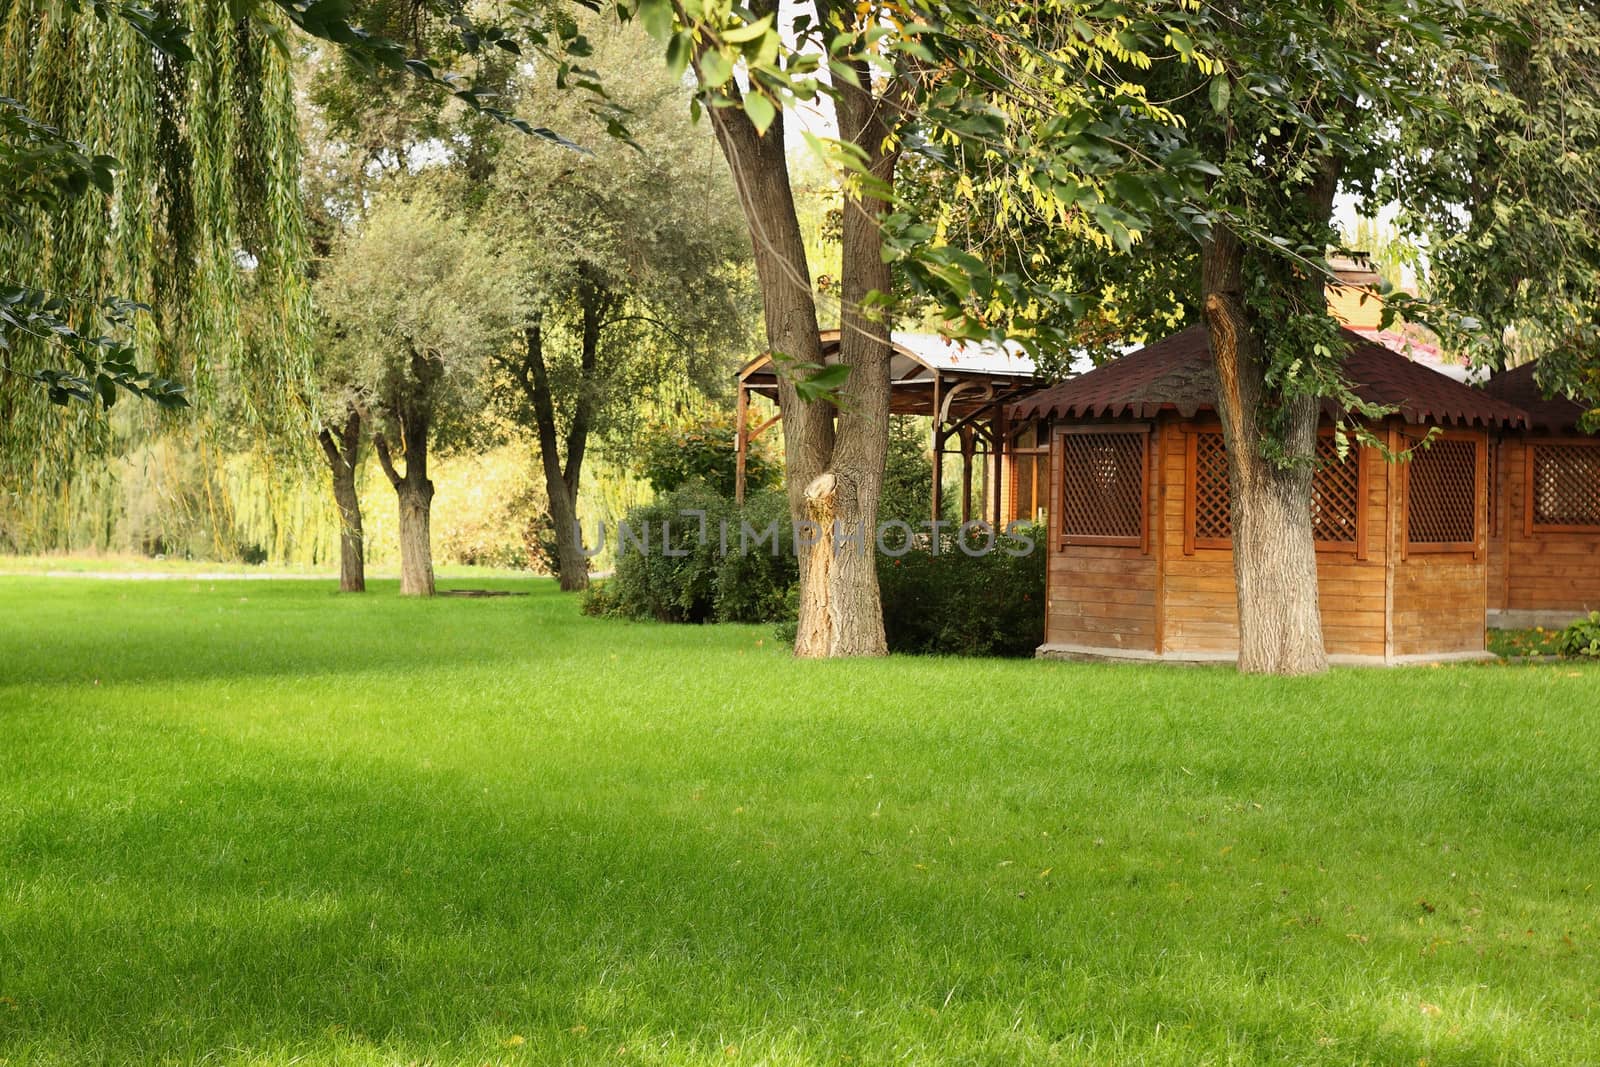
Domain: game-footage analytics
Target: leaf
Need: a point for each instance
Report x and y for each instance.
(678, 53)
(760, 110)
(748, 32)
(715, 69)
(656, 16)
(1221, 93)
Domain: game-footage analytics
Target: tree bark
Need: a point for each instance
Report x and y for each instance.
(561, 485)
(343, 455)
(862, 436)
(834, 472)
(413, 489)
(1274, 548)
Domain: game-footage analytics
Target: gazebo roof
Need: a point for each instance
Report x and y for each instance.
(1557, 414)
(991, 370)
(1177, 374)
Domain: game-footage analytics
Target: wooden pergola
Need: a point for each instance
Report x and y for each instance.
(965, 387)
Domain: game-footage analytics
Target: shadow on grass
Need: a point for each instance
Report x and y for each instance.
(104, 632)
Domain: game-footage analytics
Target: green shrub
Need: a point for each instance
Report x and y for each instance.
(671, 457)
(952, 603)
(705, 579)
(758, 583)
(1582, 638)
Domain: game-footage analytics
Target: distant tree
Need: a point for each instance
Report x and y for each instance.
(146, 150)
(632, 265)
(424, 304)
(340, 437)
(1527, 260)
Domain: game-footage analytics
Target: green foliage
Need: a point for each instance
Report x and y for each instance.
(633, 257)
(420, 304)
(194, 135)
(1039, 105)
(907, 493)
(104, 361)
(1527, 259)
(737, 580)
(670, 456)
(1582, 638)
(953, 603)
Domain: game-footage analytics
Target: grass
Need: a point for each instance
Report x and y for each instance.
(89, 564)
(257, 823)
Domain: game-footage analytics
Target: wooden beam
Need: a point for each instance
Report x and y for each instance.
(741, 442)
(938, 449)
(765, 426)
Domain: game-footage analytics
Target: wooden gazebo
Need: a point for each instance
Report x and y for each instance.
(1544, 524)
(1140, 535)
(964, 387)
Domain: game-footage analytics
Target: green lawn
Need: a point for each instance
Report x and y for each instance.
(257, 823)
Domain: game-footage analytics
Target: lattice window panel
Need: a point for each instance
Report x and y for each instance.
(1213, 515)
(1336, 494)
(1103, 487)
(1566, 485)
(1441, 487)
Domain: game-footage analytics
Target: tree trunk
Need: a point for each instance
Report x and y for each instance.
(1274, 549)
(416, 550)
(834, 469)
(561, 486)
(862, 436)
(343, 457)
(414, 491)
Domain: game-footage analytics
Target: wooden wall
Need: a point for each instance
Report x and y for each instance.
(1546, 571)
(1199, 601)
(1169, 603)
(1097, 596)
(1439, 600)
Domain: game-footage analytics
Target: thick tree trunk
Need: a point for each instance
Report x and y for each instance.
(761, 177)
(1274, 550)
(414, 491)
(343, 455)
(862, 435)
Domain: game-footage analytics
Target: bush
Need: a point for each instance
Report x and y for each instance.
(672, 457)
(710, 582)
(1582, 638)
(951, 603)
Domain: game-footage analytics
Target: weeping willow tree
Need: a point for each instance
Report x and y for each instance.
(202, 223)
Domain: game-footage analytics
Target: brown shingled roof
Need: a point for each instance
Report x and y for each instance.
(1176, 374)
(1517, 386)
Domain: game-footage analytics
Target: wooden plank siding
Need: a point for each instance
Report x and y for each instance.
(1545, 570)
(1181, 604)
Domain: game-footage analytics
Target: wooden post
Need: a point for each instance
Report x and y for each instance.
(938, 447)
(741, 442)
(967, 446)
(997, 449)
